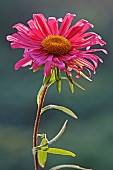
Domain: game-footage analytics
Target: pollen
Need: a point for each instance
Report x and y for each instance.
(56, 45)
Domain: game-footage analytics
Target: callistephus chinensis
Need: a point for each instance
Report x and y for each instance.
(52, 45)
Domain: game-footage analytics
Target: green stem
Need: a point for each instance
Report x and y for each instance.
(37, 121)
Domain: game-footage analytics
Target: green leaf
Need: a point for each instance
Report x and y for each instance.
(71, 82)
(57, 73)
(58, 85)
(61, 108)
(69, 78)
(71, 87)
(78, 85)
(58, 79)
(52, 79)
(42, 155)
(83, 75)
(59, 151)
(68, 166)
(59, 134)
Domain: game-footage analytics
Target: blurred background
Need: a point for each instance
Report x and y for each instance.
(91, 136)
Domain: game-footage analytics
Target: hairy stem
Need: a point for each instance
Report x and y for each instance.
(37, 121)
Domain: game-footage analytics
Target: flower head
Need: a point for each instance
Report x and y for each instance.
(64, 47)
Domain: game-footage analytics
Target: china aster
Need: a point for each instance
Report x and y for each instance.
(54, 43)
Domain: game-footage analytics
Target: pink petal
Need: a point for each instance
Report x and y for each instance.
(88, 39)
(89, 72)
(78, 75)
(37, 64)
(22, 28)
(22, 63)
(95, 50)
(47, 67)
(53, 25)
(59, 63)
(35, 29)
(68, 57)
(19, 41)
(88, 42)
(29, 39)
(86, 63)
(79, 28)
(41, 23)
(93, 58)
(66, 24)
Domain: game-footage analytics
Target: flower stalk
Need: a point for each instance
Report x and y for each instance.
(37, 121)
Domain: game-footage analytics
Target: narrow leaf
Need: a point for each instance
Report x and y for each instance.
(52, 79)
(68, 166)
(61, 108)
(42, 155)
(73, 82)
(59, 151)
(58, 79)
(83, 75)
(71, 87)
(78, 85)
(58, 85)
(59, 134)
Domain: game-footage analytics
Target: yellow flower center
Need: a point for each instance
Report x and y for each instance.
(56, 45)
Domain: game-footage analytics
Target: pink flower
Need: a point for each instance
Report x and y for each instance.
(65, 47)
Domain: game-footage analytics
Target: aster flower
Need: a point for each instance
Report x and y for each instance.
(64, 47)
(55, 46)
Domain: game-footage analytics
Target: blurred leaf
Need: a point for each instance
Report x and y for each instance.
(59, 151)
(61, 108)
(68, 166)
(42, 155)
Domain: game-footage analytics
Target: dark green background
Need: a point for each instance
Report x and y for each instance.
(91, 136)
